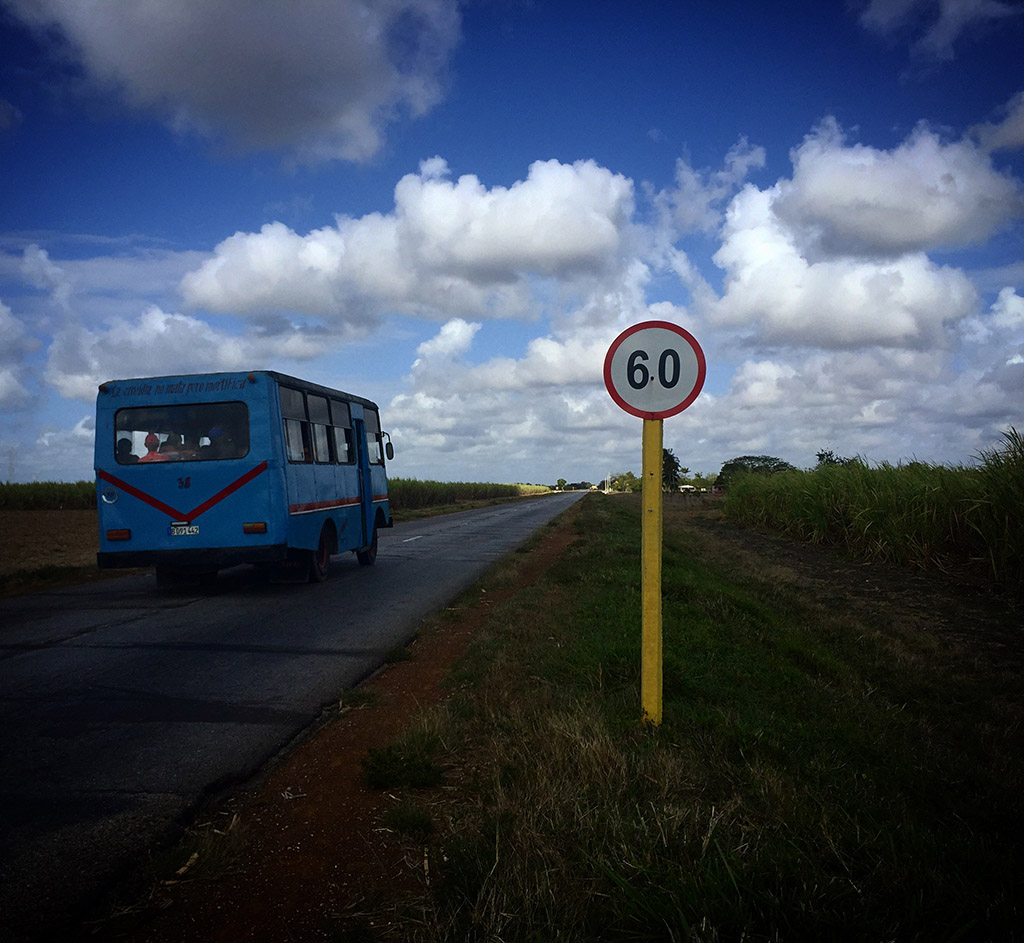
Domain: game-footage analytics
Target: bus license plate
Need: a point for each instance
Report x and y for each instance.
(182, 530)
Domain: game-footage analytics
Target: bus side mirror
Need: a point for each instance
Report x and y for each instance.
(389, 450)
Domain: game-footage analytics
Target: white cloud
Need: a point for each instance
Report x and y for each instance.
(1008, 310)
(442, 368)
(83, 432)
(760, 383)
(1002, 325)
(12, 391)
(320, 79)
(13, 336)
(159, 344)
(43, 274)
(562, 218)
(773, 291)
(548, 362)
(939, 24)
(15, 343)
(1007, 134)
(454, 338)
(447, 248)
(90, 278)
(695, 204)
(924, 194)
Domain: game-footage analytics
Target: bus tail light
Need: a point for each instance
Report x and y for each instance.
(254, 527)
(120, 534)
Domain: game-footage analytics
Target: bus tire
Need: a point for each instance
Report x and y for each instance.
(368, 556)
(320, 558)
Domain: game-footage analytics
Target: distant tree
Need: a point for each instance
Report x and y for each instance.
(561, 484)
(700, 480)
(828, 457)
(761, 464)
(625, 481)
(670, 470)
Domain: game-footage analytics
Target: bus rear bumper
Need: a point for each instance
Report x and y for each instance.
(212, 558)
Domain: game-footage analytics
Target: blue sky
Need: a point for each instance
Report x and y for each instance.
(454, 208)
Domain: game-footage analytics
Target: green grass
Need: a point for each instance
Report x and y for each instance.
(409, 818)
(47, 495)
(966, 519)
(414, 762)
(413, 494)
(816, 776)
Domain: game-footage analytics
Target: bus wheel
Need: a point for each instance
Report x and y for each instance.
(368, 556)
(320, 558)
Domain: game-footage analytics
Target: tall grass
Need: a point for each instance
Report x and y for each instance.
(969, 519)
(814, 778)
(413, 494)
(406, 494)
(47, 496)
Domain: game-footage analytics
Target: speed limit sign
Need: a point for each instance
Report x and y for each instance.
(654, 369)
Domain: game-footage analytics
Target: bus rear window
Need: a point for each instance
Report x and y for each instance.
(182, 433)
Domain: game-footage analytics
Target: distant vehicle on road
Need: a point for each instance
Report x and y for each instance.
(196, 473)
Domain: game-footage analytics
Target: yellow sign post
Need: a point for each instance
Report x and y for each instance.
(653, 370)
(650, 541)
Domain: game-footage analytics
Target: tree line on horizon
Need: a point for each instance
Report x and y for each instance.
(674, 475)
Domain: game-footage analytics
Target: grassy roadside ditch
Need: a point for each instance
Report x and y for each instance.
(817, 775)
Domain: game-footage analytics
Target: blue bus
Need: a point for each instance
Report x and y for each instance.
(197, 473)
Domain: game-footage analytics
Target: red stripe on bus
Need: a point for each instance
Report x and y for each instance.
(321, 505)
(224, 492)
(141, 495)
(173, 512)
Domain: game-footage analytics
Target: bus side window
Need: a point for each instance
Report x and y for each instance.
(320, 419)
(342, 429)
(373, 436)
(296, 437)
(296, 428)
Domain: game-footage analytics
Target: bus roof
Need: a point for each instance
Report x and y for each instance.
(281, 378)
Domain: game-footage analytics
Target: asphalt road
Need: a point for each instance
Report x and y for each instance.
(123, 706)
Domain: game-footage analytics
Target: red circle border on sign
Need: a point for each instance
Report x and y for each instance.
(694, 346)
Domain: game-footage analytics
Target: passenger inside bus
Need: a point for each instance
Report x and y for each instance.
(184, 433)
(215, 447)
(125, 455)
(189, 448)
(226, 442)
(153, 450)
(171, 447)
